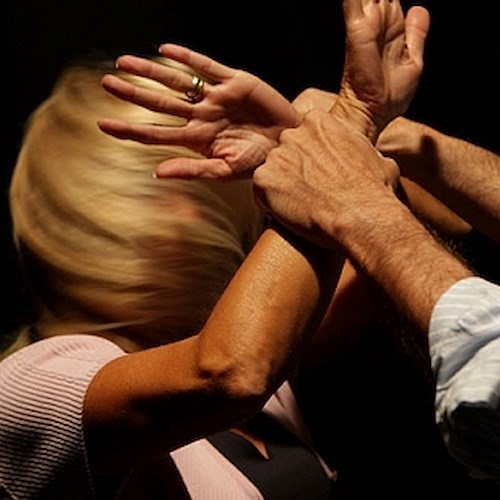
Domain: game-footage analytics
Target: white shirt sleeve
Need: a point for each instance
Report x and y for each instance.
(464, 343)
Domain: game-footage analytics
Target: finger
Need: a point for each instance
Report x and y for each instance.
(175, 78)
(353, 9)
(150, 99)
(204, 65)
(417, 25)
(191, 168)
(147, 133)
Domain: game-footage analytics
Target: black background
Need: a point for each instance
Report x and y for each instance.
(293, 45)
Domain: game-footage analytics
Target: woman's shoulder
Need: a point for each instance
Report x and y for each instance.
(67, 355)
(41, 406)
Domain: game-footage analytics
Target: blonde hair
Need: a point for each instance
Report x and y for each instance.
(102, 242)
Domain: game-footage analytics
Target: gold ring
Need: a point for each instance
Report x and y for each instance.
(196, 93)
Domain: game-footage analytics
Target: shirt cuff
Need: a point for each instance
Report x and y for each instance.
(464, 343)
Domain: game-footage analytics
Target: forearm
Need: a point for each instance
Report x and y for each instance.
(392, 247)
(276, 299)
(462, 175)
(184, 390)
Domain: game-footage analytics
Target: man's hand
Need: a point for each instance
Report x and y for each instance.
(324, 177)
(384, 62)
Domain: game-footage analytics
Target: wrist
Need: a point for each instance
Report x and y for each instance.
(353, 112)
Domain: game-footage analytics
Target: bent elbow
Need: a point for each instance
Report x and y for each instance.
(244, 386)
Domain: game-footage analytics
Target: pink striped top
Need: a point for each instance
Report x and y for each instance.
(42, 447)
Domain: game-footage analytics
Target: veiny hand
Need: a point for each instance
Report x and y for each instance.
(313, 98)
(384, 62)
(235, 124)
(323, 178)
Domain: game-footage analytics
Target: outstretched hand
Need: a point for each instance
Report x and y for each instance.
(235, 122)
(384, 62)
(239, 117)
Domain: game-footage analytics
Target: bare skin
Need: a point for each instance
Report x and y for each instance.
(240, 117)
(342, 195)
(223, 375)
(404, 141)
(392, 57)
(462, 175)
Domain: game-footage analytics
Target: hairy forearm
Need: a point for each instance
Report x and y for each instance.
(394, 249)
(462, 175)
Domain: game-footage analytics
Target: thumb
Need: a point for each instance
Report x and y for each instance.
(417, 25)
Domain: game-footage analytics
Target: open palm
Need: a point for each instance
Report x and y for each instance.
(384, 57)
(235, 124)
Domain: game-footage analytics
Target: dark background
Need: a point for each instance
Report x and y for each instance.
(293, 45)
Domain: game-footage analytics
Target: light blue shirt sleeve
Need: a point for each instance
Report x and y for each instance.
(464, 344)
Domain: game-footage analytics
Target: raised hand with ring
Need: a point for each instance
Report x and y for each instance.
(233, 118)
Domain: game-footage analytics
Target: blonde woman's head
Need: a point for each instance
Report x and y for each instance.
(106, 246)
